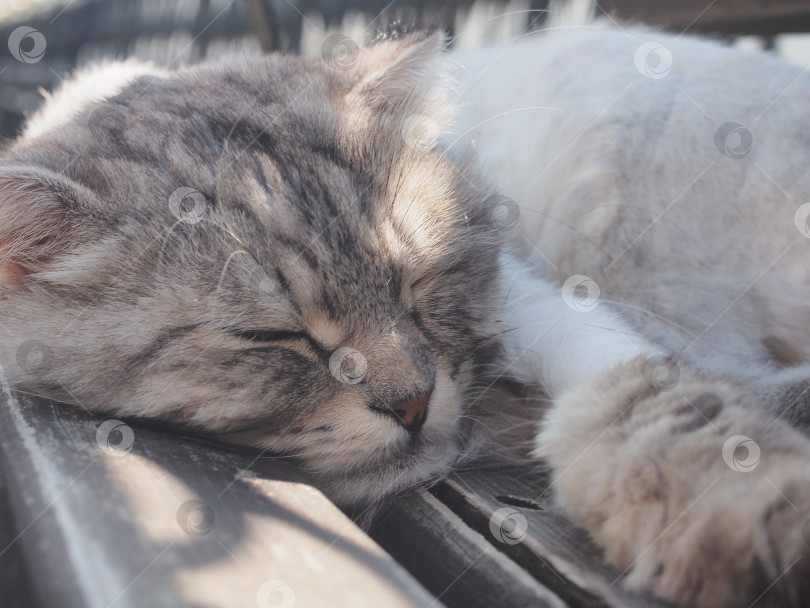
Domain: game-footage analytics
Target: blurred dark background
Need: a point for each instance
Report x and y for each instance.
(48, 39)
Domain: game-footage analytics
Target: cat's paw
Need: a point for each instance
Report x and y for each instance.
(696, 495)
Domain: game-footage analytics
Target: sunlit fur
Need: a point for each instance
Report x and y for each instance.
(315, 215)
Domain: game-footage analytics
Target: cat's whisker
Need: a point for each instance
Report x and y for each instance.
(227, 263)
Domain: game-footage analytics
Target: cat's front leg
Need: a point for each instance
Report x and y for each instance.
(561, 336)
(696, 494)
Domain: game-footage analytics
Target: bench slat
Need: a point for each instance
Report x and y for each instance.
(101, 527)
(763, 17)
(557, 552)
(454, 562)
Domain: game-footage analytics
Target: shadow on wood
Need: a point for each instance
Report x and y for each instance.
(107, 515)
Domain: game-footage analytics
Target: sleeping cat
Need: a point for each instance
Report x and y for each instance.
(336, 259)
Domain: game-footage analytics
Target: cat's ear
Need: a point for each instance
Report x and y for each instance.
(41, 214)
(399, 72)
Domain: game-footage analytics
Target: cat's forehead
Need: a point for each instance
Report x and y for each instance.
(279, 159)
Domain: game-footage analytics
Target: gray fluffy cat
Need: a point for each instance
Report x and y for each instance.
(325, 259)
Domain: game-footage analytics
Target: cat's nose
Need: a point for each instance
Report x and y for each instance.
(413, 412)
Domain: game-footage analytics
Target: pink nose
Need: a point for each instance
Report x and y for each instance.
(412, 413)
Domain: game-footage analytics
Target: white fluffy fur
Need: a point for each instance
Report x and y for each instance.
(548, 341)
(569, 128)
(93, 83)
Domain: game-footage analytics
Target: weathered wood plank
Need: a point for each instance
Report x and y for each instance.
(105, 516)
(763, 17)
(530, 530)
(454, 562)
(14, 590)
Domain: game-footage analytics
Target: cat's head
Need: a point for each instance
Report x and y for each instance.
(277, 251)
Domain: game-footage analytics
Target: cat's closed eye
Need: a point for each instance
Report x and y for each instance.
(268, 335)
(271, 335)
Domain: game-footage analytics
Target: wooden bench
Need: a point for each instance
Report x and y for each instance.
(99, 513)
(728, 17)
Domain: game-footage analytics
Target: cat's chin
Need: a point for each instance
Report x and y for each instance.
(367, 487)
(401, 460)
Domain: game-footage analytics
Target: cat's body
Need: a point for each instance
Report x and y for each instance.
(289, 254)
(630, 178)
(624, 182)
